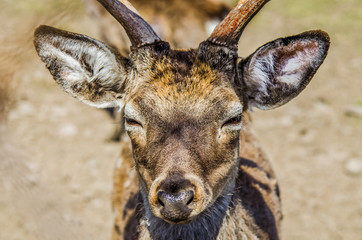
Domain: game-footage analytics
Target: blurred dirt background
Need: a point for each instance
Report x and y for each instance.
(56, 162)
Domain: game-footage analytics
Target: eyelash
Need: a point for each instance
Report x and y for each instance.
(132, 122)
(233, 121)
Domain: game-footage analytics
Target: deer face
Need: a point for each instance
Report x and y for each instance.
(182, 109)
(184, 122)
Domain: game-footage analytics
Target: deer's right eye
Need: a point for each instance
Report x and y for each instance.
(133, 122)
(233, 121)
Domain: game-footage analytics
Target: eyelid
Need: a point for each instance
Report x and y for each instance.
(131, 112)
(132, 122)
(234, 121)
(234, 110)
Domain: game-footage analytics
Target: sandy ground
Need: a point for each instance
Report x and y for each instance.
(56, 163)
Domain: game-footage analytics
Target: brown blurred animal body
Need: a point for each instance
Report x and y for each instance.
(184, 24)
(191, 167)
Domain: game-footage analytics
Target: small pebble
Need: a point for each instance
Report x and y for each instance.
(354, 167)
(68, 130)
(353, 111)
(31, 179)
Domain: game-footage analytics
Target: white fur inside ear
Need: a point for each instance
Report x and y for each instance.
(291, 72)
(82, 61)
(278, 71)
(292, 65)
(283, 65)
(260, 72)
(84, 67)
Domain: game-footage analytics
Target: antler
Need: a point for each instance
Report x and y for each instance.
(138, 30)
(228, 31)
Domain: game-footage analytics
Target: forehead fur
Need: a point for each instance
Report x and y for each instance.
(182, 75)
(181, 80)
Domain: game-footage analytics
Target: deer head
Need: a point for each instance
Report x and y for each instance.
(182, 109)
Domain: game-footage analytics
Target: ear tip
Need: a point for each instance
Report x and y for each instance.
(320, 35)
(45, 30)
(40, 32)
(42, 29)
(323, 35)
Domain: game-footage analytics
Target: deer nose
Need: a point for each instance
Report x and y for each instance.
(180, 199)
(174, 206)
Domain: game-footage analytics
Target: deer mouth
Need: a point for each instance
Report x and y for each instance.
(176, 217)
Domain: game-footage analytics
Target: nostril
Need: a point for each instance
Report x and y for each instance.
(160, 202)
(159, 196)
(191, 196)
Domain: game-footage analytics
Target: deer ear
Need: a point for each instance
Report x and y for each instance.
(278, 71)
(84, 67)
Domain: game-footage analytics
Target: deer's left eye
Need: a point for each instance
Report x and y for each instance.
(132, 122)
(233, 121)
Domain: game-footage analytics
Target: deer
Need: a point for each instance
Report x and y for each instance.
(190, 165)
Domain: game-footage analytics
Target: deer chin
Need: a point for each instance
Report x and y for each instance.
(181, 213)
(184, 216)
(178, 221)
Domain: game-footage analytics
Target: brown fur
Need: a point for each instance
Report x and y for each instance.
(255, 175)
(166, 100)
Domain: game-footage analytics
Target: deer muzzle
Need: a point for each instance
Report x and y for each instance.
(177, 198)
(174, 206)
